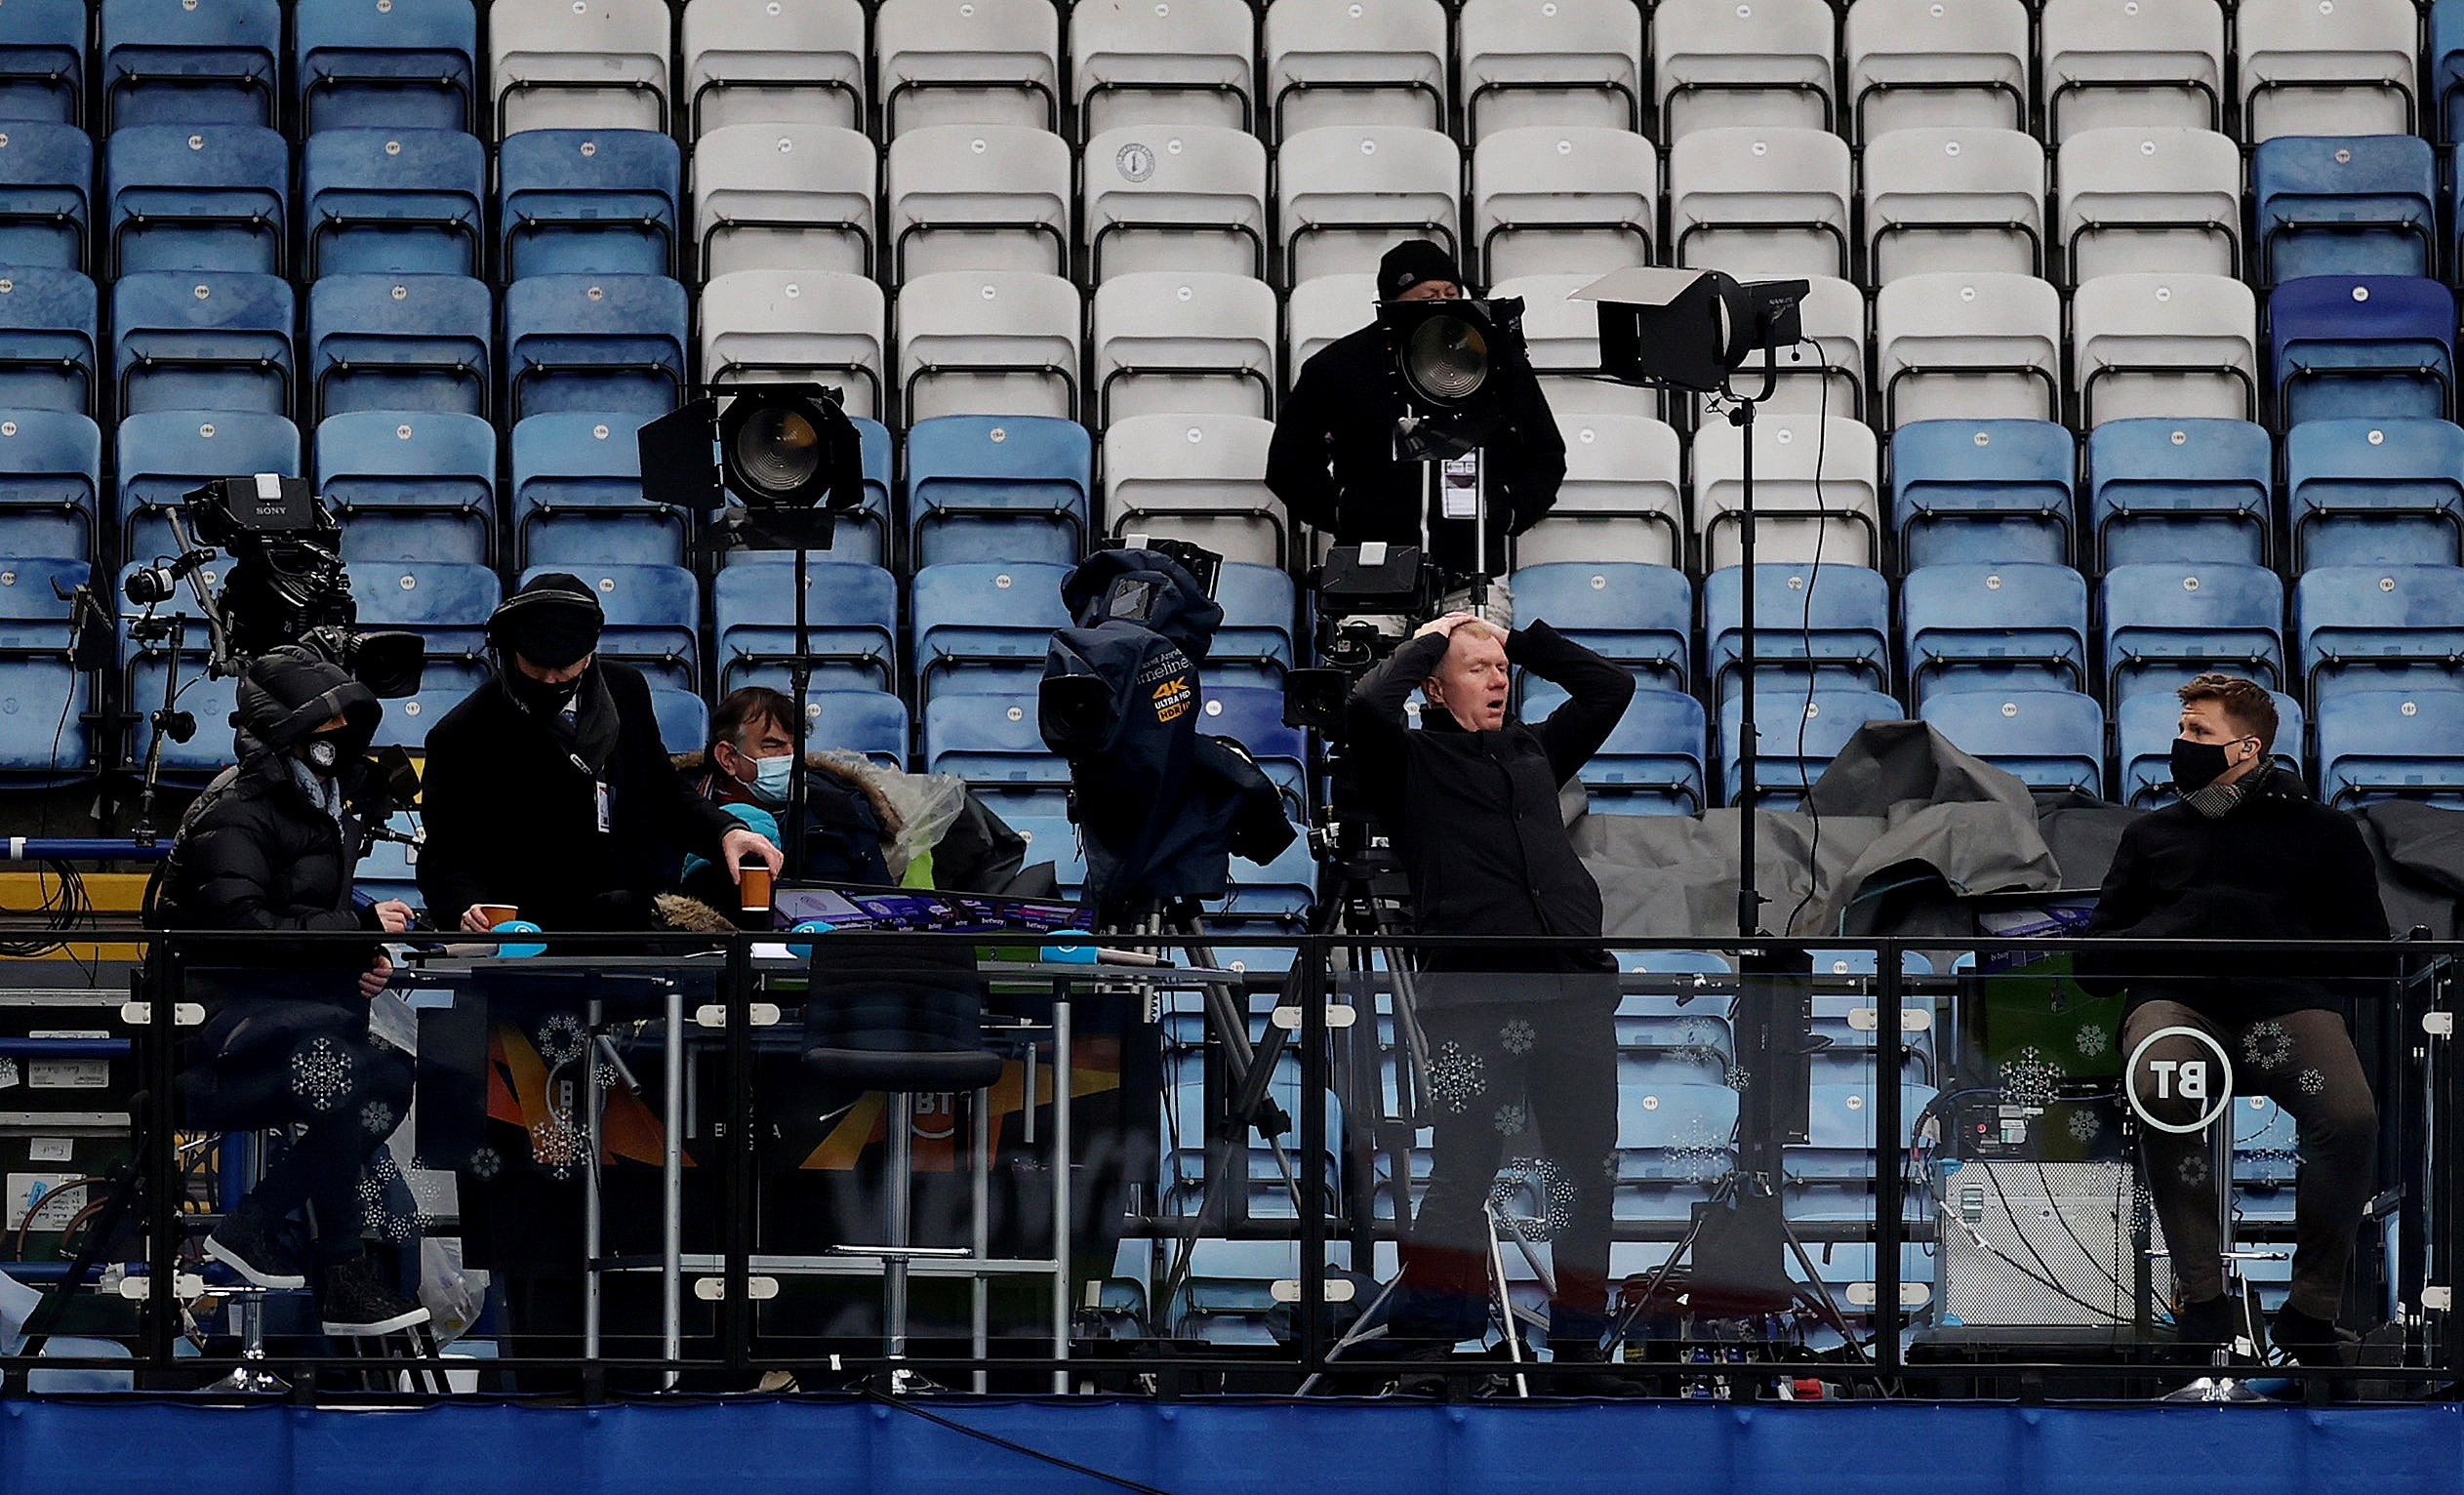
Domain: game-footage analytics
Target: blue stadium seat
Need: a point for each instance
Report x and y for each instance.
(163, 454)
(1983, 491)
(1672, 1152)
(46, 195)
(1833, 622)
(407, 718)
(446, 603)
(202, 341)
(982, 488)
(410, 485)
(851, 614)
(1799, 737)
(2392, 744)
(685, 718)
(2165, 623)
(1252, 716)
(1831, 1173)
(595, 342)
(984, 625)
(2049, 739)
(2446, 71)
(399, 342)
(49, 342)
(2367, 492)
(1639, 615)
(43, 737)
(2345, 205)
(1997, 628)
(1652, 764)
(398, 201)
(1254, 645)
(654, 619)
(587, 202)
(184, 62)
(2385, 626)
(215, 197)
(872, 722)
(407, 64)
(990, 740)
(43, 62)
(1052, 838)
(578, 494)
(1275, 898)
(2375, 345)
(2172, 489)
(50, 482)
(2144, 730)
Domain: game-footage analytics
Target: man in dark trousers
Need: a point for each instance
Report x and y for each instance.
(2245, 854)
(1516, 1038)
(1332, 460)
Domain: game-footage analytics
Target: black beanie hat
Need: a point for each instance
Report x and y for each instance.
(553, 622)
(1412, 261)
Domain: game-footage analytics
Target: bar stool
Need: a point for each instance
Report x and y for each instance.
(2222, 1386)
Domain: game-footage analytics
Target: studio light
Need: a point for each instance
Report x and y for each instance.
(1447, 351)
(778, 447)
(1690, 329)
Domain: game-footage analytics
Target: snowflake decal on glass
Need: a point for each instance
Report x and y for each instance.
(606, 1076)
(1457, 1077)
(2310, 1082)
(556, 1146)
(378, 1118)
(2192, 1169)
(486, 1163)
(2085, 1125)
(1552, 1190)
(559, 1038)
(2091, 1040)
(1738, 1079)
(1608, 1165)
(1516, 1037)
(322, 1074)
(2029, 1078)
(2267, 1045)
(1510, 1119)
(1695, 1155)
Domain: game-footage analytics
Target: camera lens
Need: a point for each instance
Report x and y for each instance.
(150, 585)
(778, 449)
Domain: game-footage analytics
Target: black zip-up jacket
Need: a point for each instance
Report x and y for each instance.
(2278, 866)
(1473, 816)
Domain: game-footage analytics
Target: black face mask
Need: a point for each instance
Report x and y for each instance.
(323, 754)
(541, 696)
(2196, 765)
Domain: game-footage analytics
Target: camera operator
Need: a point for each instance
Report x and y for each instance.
(1469, 803)
(1332, 461)
(267, 850)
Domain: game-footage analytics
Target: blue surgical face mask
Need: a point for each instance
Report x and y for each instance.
(771, 777)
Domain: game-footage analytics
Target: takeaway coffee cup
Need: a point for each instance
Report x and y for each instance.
(499, 914)
(752, 890)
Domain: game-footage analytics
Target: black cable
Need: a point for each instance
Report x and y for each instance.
(2063, 1220)
(2038, 1257)
(907, 1406)
(1806, 631)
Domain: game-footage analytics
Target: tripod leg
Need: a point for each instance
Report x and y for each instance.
(1506, 1304)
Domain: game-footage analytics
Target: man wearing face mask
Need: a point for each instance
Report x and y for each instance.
(749, 772)
(2247, 854)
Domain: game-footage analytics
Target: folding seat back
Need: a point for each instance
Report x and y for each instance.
(1652, 764)
(1321, 310)
(981, 342)
(1166, 342)
(1953, 197)
(851, 623)
(1998, 628)
(1254, 643)
(654, 622)
(162, 455)
(978, 197)
(1184, 62)
(872, 722)
(2121, 62)
(1983, 491)
(50, 482)
(749, 62)
(577, 496)
(825, 325)
(2445, 73)
(1190, 199)
(1560, 199)
(2388, 627)
(183, 198)
(2163, 624)
(1346, 193)
(410, 65)
(2144, 729)
(1561, 338)
(2159, 343)
(1623, 498)
(1252, 716)
(2047, 738)
(48, 355)
(46, 193)
(1800, 736)
(202, 341)
(1377, 64)
(1640, 616)
(2392, 744)
(2345, 205)
(1760, 202)
(2174, 491)
(420, 343)
(682, 716)
(588, 202)
(1769, 63)
(1198, 478)
(1560, 63)
(2374, 492)
(579, 342)
(601, 68)
(984, 625)
(43, 62)
(445, 602)
(1968, 346)
(45, 739)
(967, 61)
(410, 485)
(1052, 838)
(1913, 62)
(787, 196)
(393, 201)
(1824, 374)
(2368, 345)
(2312, 69)
(2149, 198)
(182, 63)
(1830, 623)
(988, 488)
(1816, 493)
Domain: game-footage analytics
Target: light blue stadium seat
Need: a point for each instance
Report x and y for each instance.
(2345, 205)
(1052, 839)
(578, 494)
(1799, 737)
(1252, 716)
(984, 625)
(1983, 491)
(981, 488)
(397, 201)
(1639, 614)
(2049, 739)
(408, 65)
(2371, 490)
(851, 615)
(389, 869)
(46, 193)
(1675, 1144)
(407, 719)
(685, 718)
(2379, 627)
(2372, 345)
(872, 722)
(1994, 628)
(1255, 642)
(163, 454)
(993, 741)
(49, 355)
(2144, 730)
(2163, 624)
(1652, 764)
(587, 202)
(399, 341)
(43, 62)
(51, 480)
(2176, 490)
(1277, 894)
(202, 341)
(1650, 1069)
(446, 603)
(654, 619)
(44, 735)
(185, 62)
(1851, 1025)
(1831, 1174)
(1833, 622)
(595, 342)
(2392, 744)
(181, 197)
(410, 485)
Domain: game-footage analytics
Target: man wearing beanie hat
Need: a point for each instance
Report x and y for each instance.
(1332, 461)
(549, 787)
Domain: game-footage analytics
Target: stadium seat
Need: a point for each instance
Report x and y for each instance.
(977, 197)
(967, 61)
(2016, 627)
(1254, 643)
(2047, 738)
(393, 201)
(1344, 193)
(1817, 491)
(1561, 340)
(1321, 310)
(2307, 68)
(991, 488)
(46, 194)
(1167, 342)
(1184, 62)
(1052, 838)
(601, 68)
(1831, 623)
(410, 485)
(577, 497)
(2163, 624)
(1717, 63)
(182, 199)
(2359, 492)
(2345, 205)
(990, 740)
(1913, 62)
(2445, 73)
(871, 722)
(2158, 343)
(1252, 716)
(399, 342)
(586, 342)
(201, 340)
(2178, 490)
(1377, 64)
(1196, 478)
(1760, 201)
(47, 341)
(1953, 197)
(45, 739)
(783, 197)
(1673, 1152)
(43, 62)
(1622, 500)
(2149, 198)
(1557, 63)
(1640, 616)
(2392, 744)
(683, 719)
(2144, 730)
(50, 482)
(587, 202)
(987, 342)
(1968, 346)
(1801, 732)
(2111, 62)
(825, 325)
(1188, 200)
(2388, 627)
(1824, 373)
(2367, 345)
(160, 454)
(446, 603)
(1550, 199)
(753, 63)
(1831, 1173)
(181, 63)
(851, 620)
(1652, 764)
(984, 625)
(654, 619)
(1983, 491)
(410, 65)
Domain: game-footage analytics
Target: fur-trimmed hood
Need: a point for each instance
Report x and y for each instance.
(844, 768)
